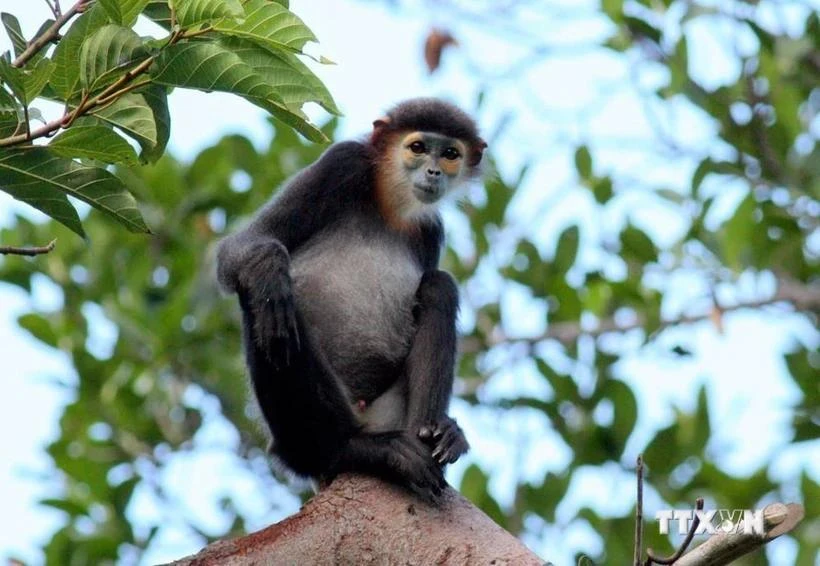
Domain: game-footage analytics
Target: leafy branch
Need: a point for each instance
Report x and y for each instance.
(87, 103)
(114, 85)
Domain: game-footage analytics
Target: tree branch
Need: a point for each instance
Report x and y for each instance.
(724, 548)
(30, 251)
(361, 520)
(52, 33)
(803, 297)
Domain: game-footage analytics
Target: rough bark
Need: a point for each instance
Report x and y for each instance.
(361, 520)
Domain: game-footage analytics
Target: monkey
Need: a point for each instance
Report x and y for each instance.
(349, 327)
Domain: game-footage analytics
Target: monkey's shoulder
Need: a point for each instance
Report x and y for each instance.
(343, 174)
(349, 149)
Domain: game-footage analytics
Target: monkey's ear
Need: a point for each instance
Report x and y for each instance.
(477, 152)
(380, 127)
(381, 123)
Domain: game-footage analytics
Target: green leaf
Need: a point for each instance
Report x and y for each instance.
(708, 166)
(474, 486)
(107, 54)
(113, 10)
(26, 83)
(614, 9)
(39, 195)
(270, 25)
(664, 451)
(563, 386)
(39, 327)
(625, 410)
(737, 232)
(93, 142)
(157, 99)
(7, 102)
(66, 76)
(291, 78)
(132, 114)
(641, 29)
(9, 123)
(209, 66)
(566, 249)
(73, 508)
(192, 12)
(159, 12)
(701, 428)
(123, 12)
(678, 65)
(38, 169)
(635, 244)
(12, 25)
(602, 189)
(583, 162)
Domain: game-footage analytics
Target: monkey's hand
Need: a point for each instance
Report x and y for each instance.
(446, 438)
(396, 456)
(265, 288)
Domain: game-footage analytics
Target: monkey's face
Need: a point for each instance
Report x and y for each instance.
(433, 164)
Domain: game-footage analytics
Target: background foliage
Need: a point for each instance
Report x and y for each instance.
(156, 349)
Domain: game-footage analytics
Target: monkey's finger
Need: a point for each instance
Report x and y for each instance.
(278, 309)
(443, 426)
(293, 329)
(449, 455)
(451, 446)
(427, 432)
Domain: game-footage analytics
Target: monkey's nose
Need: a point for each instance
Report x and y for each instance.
(434, 172)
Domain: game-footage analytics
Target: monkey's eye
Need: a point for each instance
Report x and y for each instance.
(451, 153)
(417, 147)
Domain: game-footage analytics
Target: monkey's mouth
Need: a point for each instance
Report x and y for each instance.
(427, 193)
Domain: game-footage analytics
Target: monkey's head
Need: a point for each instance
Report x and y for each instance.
(426, 148)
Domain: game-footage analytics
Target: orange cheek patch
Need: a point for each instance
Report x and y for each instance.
(451, 167)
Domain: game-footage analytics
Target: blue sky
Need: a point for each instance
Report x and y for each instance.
(378, 56)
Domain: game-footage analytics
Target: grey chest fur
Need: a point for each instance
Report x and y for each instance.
(355, 285)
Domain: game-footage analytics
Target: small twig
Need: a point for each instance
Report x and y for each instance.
(27, 123)
(69, 117)
(51, 33)
(113, 96)
(639, 513)
(53, 9)
(651, 558)
(32, 251)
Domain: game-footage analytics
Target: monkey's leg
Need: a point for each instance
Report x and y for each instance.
(430, 367)
(306, 409)
(313, 425)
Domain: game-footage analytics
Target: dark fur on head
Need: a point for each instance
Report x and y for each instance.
(429, 115)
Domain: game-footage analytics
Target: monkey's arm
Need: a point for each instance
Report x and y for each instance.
(255, 262)
(430, 367)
